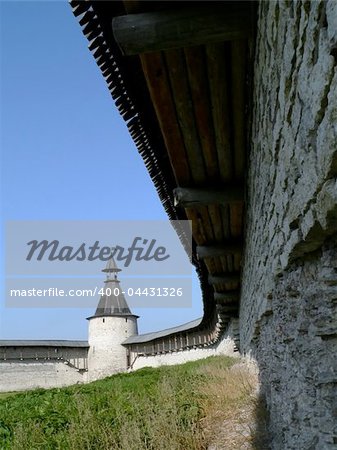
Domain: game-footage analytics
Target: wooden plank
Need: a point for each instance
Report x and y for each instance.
(201, 226)
(214, 251)
(237, 262)
(205, 219)
(224, 278)
(236, 219)
(230, 262)
(188, 197)
(183, 27)
(176, 68)
(198, 82)
(197, 231)
(224, 210)
(227, 287)
(199, 235)
(215, 217)
(238, 73)
(158, 85)
(211, 265)
(217, 66)
(225, 221)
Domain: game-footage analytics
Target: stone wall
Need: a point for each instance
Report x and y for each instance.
(34, 366)
(226, 346)
(289, 295)
(23, 375)
(30, 367)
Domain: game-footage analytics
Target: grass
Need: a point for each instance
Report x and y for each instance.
(177, 408)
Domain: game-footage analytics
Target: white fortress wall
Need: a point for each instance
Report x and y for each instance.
(226, 346)
(24, 375)
(30, 366)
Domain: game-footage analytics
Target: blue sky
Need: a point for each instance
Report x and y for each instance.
(66, 153)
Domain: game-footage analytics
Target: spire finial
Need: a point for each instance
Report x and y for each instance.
(111, 266)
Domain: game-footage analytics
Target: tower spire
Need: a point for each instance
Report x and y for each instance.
(111, 268)
(112, 301)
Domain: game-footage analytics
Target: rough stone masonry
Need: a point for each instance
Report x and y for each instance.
(289, 296)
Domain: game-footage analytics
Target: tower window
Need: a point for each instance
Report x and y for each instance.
(126, 319)
(103, 320)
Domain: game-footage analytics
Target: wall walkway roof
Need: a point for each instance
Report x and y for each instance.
(43, 343)
(180, 75)
(141, 338)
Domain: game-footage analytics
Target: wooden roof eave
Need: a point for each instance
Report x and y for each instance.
(150, 122)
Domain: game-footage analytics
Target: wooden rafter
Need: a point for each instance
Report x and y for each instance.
(214, 251)
(185, 27)
(188, 197)
(224, 278)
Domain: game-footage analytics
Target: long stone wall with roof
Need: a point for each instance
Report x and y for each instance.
(288, 303)
(42, 364)
(161, 354)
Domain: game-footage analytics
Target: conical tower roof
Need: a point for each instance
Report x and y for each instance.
(111, 267)
(112, 302)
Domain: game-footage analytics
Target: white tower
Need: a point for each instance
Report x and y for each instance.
(111, 324)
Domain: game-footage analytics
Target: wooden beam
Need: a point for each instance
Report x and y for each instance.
(189, 197)
(199, 87)
(163, 30)
(227, 297)
(223, 309)
(159, 88)
(217, 61)
(177, 74)
(225, 316)
(214, 251)
(238, 72)
(132, 6)
(224, 278)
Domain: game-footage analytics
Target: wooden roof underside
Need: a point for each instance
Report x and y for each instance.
(187, 109)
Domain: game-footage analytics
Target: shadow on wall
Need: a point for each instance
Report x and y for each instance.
(295, 351)
(260, 437)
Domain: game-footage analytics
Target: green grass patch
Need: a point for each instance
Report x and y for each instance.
(150, 409)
